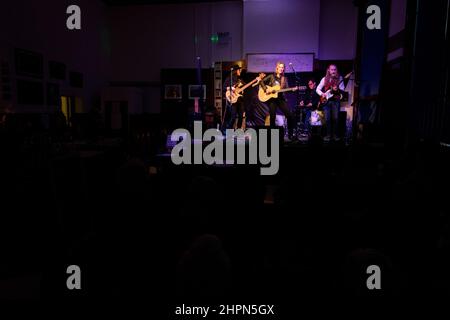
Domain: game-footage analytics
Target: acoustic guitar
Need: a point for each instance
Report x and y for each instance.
(273, 92)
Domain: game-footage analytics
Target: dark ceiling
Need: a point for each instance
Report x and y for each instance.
(143, 2)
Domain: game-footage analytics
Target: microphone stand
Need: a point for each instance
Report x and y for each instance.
(226, 101)
(297, 79)
(297, 84)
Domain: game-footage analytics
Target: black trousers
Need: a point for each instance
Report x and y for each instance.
(282, 105)
(236, 111)
(331, 110)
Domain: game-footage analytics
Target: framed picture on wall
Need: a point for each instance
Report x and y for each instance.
(197, 91)
(29, 63)
(173, 92)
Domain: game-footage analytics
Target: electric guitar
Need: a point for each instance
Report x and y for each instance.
(233, 95)
(331, 92)
(273, 92)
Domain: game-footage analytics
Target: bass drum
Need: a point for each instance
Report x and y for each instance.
(280, 120)
(316, 118)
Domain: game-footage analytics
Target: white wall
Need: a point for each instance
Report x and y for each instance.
(276, 26)
(148, 38)
(337, 35)
(325, 27)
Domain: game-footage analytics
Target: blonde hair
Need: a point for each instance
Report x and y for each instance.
(283, 79)
(329, 80)
(280, 62)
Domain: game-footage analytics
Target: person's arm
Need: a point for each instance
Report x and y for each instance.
(341, 85)
(263, 83)
(320, 87)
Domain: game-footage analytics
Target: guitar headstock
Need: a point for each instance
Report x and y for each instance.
(261, 76)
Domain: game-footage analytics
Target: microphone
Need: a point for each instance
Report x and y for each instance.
(292, 67)
(297, 78)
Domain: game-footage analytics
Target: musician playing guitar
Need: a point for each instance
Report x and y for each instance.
(235, 110)
(278, 79)
(234, 87)
(330, 90)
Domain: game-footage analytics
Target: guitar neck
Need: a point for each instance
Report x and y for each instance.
(248, 85)
(287, 89)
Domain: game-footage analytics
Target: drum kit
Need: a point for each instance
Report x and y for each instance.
(317, 118)
(305, 127)
(301, 129)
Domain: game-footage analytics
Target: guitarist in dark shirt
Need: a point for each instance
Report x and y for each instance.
(236, 111)
(278, 78)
